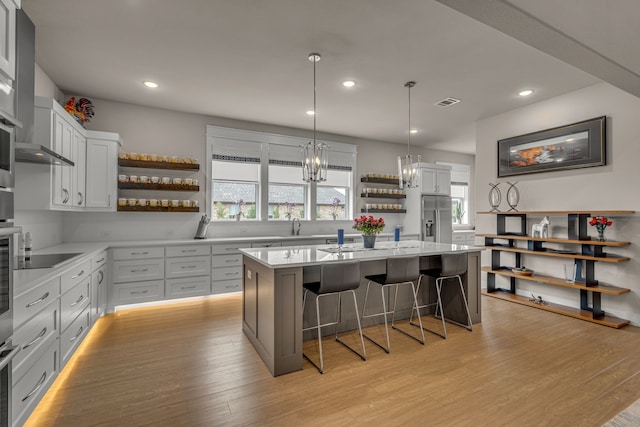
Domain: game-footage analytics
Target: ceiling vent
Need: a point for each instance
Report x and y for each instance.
(447, 102)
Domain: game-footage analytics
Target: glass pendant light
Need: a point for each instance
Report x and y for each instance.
(408, 165)
(315, 158)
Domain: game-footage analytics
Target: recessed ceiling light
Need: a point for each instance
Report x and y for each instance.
(414, 131)
(526, 92)
(348, 83)
(311, 112)
(150, 84)
(39, 154)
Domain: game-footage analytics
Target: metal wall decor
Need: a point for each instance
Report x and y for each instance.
(495, 197)
(578, 145)
(513, 196)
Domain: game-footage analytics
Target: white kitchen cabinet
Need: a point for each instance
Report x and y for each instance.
(226, 268)
(8, 39)
(187, 266)
(72, 336)
(435, 179)
(98, 286)
(137, 292)
(188, 287)
(102, 171)
(78, 184)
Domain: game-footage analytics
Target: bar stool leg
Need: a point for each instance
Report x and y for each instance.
(439, 294)
(319, 333)
(386, 324)
(466, 305)
(362, 355)
(438, 305)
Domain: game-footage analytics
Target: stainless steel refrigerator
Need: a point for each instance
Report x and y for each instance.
(435, 219)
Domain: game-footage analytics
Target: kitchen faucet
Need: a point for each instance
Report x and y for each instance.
(295, 231)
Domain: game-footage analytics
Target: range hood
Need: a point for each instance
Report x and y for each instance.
(26, 151)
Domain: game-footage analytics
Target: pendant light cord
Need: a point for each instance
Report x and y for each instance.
(409, 85)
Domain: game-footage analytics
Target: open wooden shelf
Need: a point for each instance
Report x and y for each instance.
(380, 180)
(382, 196)
(157, 165)
(152, 186)
(383, 211)
(606, 320)
(555, 281)
(156, 209)
(605, 258)
(555, 240)
(594, 213)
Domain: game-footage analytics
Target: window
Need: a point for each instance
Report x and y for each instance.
(460, 179)
(258, 176)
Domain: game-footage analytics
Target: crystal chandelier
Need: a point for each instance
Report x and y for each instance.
(315, 159)
(408, 165)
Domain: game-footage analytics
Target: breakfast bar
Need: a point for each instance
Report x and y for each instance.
(272, 289)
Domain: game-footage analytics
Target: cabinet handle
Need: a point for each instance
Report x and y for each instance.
(231, 260)
(184, 251)
(37, 387)
(66, 195)
(36, 339)
(77, 301)
(101, 277)
(140, 253)
(231, 274)
(187, 287)
(100, 260)
(138, 292)
(81, 199)
(38, 301)
(188, 266)
(140, 270)
(230, 286)
(78, 275)
(230, 249)
(72, 339)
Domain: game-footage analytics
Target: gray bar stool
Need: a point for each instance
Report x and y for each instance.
(335, 278)
(400, 271)
(452, 267)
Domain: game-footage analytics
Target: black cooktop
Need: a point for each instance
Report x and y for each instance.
(44, 261)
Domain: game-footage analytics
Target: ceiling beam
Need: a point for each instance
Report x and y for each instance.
(510, 20)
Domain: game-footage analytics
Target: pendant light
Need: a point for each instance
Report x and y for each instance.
(315, 156)
(408, 165)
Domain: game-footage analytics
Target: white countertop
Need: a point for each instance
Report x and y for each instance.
(297, 256)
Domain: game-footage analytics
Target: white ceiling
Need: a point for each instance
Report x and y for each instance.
(247, 59)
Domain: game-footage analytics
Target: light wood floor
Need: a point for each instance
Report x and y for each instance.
(190, 365)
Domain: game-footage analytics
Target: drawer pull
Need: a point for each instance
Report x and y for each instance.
(231, 274)
(100, 277)
(230, 249)
(142, 270)
(138, 292)
(140, 253)
(72, 339)
(43, 378)
(38, 301)
(36, 339)
(77, 301)
(188, 266)
(231, 286)
(100, 260)
(184, 251)
(229, 261)
(187, 287)
(78, 275)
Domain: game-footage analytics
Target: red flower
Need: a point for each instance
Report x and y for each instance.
(368, 225)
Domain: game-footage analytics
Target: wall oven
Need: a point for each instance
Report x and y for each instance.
(6, 156)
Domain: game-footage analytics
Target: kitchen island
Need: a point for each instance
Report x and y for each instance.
(272, 290)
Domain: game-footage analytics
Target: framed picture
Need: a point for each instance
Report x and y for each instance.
(578, 145)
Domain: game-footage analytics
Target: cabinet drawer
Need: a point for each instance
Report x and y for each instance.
(28, 391)
(178, 251)
(28, 304)
(137, 253)
(73, 302)
(225, 248)
(133, 293)
(224, 286)
(226, 260)
(188, 266)
(98, 260)
(138, 270)
(458, 239)
(226, 273)
(189, 287)
(75, 275)
(33, 336)
(265, 244)
(73, 336)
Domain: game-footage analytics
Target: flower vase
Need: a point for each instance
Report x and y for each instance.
(369, 241)
(601, 237)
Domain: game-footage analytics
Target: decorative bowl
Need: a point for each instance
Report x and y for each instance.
(522, 271)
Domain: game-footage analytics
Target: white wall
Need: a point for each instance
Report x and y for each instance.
(153, 130)
(610, 187)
